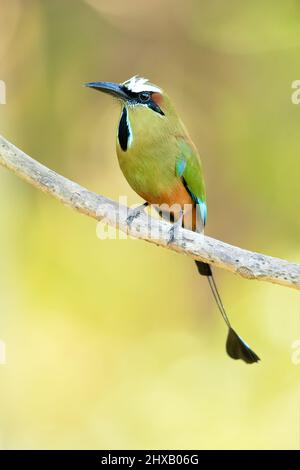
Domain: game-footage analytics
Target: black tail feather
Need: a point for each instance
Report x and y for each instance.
(203, 268)
(236, 348)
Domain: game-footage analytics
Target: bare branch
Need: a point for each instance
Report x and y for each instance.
(245, 263)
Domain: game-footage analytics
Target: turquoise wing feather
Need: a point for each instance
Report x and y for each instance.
(188, 167)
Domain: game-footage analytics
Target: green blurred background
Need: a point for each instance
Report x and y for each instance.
(117, 344)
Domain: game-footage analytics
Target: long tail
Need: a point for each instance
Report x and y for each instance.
(235, 345)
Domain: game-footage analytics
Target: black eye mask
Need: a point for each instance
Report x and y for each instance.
(135, 98)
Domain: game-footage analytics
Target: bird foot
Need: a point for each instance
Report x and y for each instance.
(172, 235)
(134, 213)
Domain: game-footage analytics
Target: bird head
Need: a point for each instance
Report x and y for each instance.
(147, 112)
(137, 92)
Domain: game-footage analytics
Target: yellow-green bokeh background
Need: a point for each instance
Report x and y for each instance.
(117, 344)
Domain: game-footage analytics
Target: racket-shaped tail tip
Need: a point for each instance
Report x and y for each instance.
(237, 348)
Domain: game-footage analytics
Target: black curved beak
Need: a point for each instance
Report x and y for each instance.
(113, 89)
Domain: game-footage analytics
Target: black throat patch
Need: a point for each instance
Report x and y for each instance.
(123, 132)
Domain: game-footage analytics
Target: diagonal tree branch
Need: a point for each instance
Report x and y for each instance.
(247, 264)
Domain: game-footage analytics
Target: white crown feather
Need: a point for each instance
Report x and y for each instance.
(137, 84)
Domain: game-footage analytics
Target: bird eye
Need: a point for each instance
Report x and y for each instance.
(144, 96)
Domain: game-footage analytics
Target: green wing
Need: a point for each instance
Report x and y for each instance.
(188, 167)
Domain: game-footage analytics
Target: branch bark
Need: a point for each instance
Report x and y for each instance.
(247, 264)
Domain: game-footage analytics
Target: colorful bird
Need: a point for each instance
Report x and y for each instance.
(162, 165)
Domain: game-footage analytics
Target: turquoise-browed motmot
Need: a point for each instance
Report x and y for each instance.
(162, 165)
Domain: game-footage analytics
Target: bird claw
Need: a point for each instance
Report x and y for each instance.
(131, 218)
(134, 213)
(172, 234)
